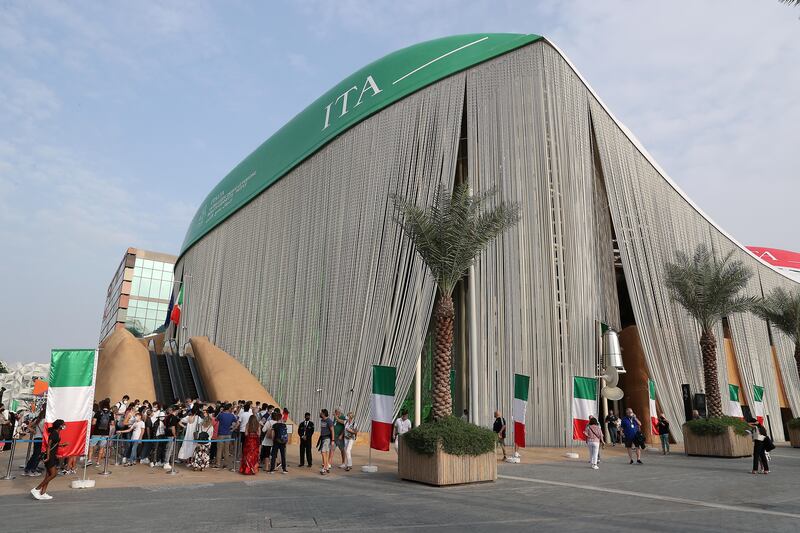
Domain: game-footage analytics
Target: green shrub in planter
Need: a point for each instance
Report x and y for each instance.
(794, 423)
(457, 437)
(717, 426)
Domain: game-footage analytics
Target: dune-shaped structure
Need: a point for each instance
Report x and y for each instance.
(294, 266)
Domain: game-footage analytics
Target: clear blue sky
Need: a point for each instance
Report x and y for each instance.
(117, 118)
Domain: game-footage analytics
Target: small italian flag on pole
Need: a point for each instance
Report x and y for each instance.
(176, 311)
(734, 407)
(758, 403)
(383, 382)
(651, 386)
(69, 397)
(521, 386)
(584, 403)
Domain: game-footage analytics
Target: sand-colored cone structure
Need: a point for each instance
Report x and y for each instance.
(225, 378)
(123, 368)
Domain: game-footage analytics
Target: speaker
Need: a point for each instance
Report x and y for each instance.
(700, 404)
(687, 401)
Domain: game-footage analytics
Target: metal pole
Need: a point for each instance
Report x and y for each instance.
(106, 453)
(173, 471)
(474, 412)
(9, 477)
(417, 393)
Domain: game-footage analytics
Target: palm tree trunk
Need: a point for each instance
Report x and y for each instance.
(797, 356)
(442, 402)
(708, 347)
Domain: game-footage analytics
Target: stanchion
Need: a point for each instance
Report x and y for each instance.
(236, 459)
(106, 453)
(9, 477)
(173, 471)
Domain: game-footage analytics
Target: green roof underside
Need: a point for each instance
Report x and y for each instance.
(367, 91)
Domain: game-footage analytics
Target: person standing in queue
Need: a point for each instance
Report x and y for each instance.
(324, 441)
(305, 431)
(499, 427)
(50, 459)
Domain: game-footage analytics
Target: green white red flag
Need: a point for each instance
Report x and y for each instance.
(584, 403)
(520, 407)
(758, 403)
(734, 407)
(651, 387)
(176, 311)
(383, 384)
(69, 397)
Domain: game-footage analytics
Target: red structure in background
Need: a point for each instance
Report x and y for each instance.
(782, 259)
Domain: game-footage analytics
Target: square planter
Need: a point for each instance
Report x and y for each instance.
(441, 469)
(728, 444)
(794, 437)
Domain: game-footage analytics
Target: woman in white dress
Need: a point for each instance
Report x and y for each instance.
(191, 423)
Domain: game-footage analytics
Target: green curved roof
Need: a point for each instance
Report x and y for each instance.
(355, 98)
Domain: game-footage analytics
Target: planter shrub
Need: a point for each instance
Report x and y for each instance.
(717, 426)
(794, 423)
(455, 436)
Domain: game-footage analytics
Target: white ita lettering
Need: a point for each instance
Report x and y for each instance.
(369, 85)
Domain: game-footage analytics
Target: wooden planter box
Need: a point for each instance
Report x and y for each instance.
(729, 444)
(442, 469)
(794, 437)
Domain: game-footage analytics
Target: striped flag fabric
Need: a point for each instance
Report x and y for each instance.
(69, 397)
(383, 383)
(734, 407)
(520, 407)
(758, 403)
(584, 403)
(175, 315)
(651, 386)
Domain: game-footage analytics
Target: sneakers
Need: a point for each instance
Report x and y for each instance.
(639, 462)
(89, 463)
(284, 471)
(595, 467)
(631, 461)
(322, 471)
(342, 465)
(145, 461)
(32, 474)
(347, 469)
(37, 495)
(167, 467)
(45, 497)
(124, 460)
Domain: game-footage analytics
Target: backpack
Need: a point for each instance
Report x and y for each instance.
(203, 436)
(281, 434)
(104, 420)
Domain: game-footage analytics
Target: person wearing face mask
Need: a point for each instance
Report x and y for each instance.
(6, 429)
(50, 459)
(305, 431)
(136, 429)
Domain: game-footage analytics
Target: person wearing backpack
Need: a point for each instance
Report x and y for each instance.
(280, 436)
(102, 420)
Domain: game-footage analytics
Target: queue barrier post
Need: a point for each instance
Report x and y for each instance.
(173, 471)
(106, 453)
(9, 477)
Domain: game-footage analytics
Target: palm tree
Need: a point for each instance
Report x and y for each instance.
(708, 288)
(448, 236)
(782, 309)
(790, 2)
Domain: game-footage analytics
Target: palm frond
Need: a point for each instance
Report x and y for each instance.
(782, 309)
(708, 287)
(790, 2)
(452, 232)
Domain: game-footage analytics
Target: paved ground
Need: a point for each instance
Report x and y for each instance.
(672, 493)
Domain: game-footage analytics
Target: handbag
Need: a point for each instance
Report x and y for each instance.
(768, 444)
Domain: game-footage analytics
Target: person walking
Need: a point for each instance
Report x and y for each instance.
(663, 433)
(339, 421)
(326, 428)
(611, 423)
(350, 435)
(50, 460)
(249, 462)
(631, 428)
(401, 426)
(594, 438)
(759, 435)
(280, 437)
(499, 427)
(305, 431)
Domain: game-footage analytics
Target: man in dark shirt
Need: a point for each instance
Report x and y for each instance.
(611, 424)
(305, 431)
(171, 427)
(499, 427)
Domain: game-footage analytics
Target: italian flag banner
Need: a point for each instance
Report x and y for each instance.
(584, 403)
(383, 382)
(175, 316)
(651, 386)
(521, 386)
(69, 397)
(734, 407)
(758, 403)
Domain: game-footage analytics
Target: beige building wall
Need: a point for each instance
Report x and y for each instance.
(123, 367)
